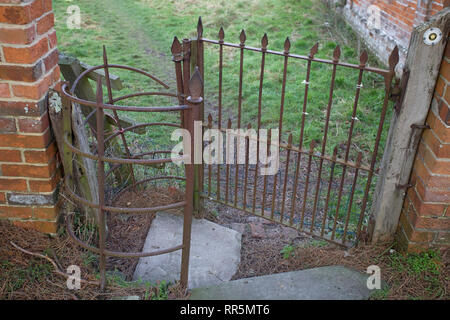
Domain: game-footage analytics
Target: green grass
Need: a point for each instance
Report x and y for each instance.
(36, 271)
(426, 267)
(140, 33)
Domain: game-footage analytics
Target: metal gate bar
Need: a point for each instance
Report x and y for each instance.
(228, 194)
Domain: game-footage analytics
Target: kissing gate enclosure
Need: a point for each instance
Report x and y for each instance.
(320, 189)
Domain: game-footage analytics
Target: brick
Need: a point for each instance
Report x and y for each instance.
(23, 108)
(5, 92)
(15, 14)
(16, 212)
(440, 149)
(439, 128)
(7, 125)
(33, 125)
(23, 170)
(43, 226)
(34, 91)
(434, 181)
(444, 112)
(43, 213)
(51, 60)
(445, 70)
(29, 199)
(26, 55)
(404, 245)
(440, 86)
(37, 9)
(48, 5)
(429, 223)
(52, 39)
(13, 185)
(443, 237)
(17, 35)
(45, 23)
(16, 1)
(425, 209)
(44, 185)
(21, 73)
(435, 165)
(432, 194)
(23, 141)
(413, 234)
(10, 156)
(2, 197)
(41, 156)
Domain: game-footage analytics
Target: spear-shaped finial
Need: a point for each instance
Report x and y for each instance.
(287, 45)
(314, 50)
(290, 140)
(337, 53)
(312, 145)
(363, 58)
(393, 58)
(195, 87)
(199, 28)
(358, 159)
(335, 151)
(242, 37)
(264, 42)
(105, 56)
(176, 49)
(221, 34)
(209, 120)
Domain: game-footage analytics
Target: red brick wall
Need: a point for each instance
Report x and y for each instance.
(425, 218)
(397, 19)
(28, 159)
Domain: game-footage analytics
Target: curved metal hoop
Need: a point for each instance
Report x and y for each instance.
(118, 254)
(186, 107)
(90, 204)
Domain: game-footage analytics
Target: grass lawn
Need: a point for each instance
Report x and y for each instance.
(140, 33)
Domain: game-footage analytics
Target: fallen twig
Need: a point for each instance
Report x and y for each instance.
(57, 270)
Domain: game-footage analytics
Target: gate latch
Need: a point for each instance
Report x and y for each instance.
(398, 91)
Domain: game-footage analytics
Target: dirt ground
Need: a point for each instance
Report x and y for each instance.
(25, 275)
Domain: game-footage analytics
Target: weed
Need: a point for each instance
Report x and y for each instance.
(34, 272)
(380, 294)
(160, 292)
(417, 263)
(287, 251)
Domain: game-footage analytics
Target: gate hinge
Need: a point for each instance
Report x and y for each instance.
(398, 91)
(404, 186)
(420, 126)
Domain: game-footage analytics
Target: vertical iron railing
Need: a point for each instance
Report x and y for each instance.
(293, 196)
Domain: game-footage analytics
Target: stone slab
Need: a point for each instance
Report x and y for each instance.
(324, 283)
(215, 252)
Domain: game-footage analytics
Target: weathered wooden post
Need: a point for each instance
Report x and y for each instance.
(419, 79)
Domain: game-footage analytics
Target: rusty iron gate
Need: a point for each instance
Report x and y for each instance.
(290, 197)
(188, 109)
(308, 175)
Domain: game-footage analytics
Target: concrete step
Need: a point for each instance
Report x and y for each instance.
(324, 283)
